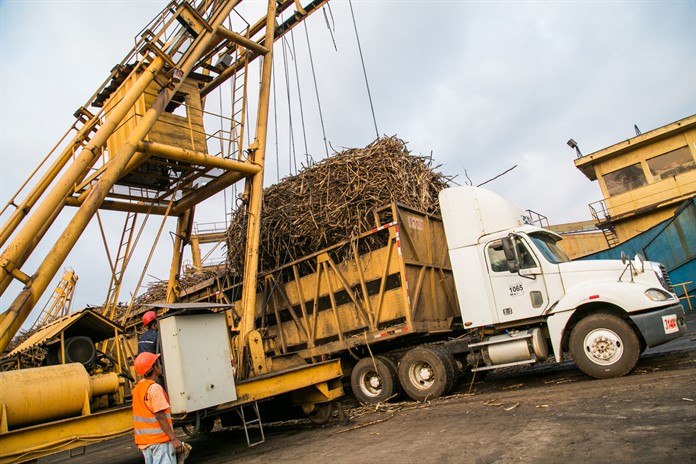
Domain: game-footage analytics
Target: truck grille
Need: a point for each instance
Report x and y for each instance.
(664, 280)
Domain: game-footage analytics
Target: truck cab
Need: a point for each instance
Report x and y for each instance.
(518, 287)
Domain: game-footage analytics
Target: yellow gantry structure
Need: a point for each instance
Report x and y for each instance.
(132, 150)
(139, 146)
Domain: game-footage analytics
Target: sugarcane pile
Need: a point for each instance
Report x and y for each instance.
(157, 290)
(332, 201)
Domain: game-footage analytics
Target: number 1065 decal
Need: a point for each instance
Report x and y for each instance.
(516, 289)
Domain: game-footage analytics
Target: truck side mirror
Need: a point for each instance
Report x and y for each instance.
(513, 261)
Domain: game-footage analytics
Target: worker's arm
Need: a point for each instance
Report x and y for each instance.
(167, 429)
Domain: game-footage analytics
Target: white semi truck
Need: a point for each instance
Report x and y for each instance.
(419, 300)
(514, 280)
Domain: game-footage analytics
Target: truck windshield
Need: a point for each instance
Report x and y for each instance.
(548, 247)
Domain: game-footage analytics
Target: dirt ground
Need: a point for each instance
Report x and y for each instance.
(548, 414)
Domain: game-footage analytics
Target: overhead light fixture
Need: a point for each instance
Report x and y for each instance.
(573, 144)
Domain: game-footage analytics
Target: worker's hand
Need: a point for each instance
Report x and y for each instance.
(178, 446)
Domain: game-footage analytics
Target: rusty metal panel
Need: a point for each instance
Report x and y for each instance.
(84, 322)
(354, 294)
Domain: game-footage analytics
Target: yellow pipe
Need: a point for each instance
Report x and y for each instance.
(41, 394)
(241, 40)
(189, 156)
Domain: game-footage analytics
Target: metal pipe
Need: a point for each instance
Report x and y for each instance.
(182, 231)
(123, 207)
(194, 157)
(241, 40)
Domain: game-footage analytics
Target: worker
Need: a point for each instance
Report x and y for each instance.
(152, 423)
(148, 340)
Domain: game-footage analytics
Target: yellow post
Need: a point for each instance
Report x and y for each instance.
(251, 261)
(686, 296)
(183, 230)
(196, 254)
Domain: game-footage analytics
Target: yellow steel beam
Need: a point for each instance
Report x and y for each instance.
(205, 192)
(253, 232)
(200, 158)
(241, 40)
(42, 440)
(123, 206)
(277, 383)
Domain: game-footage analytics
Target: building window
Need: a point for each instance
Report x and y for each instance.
(671, 163)
(625, 179)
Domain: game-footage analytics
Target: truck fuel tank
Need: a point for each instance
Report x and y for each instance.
(523, 347)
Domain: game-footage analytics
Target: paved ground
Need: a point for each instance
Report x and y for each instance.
(549, 414)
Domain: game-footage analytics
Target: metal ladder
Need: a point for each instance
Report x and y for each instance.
(246, 424)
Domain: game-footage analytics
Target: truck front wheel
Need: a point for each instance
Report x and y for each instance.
(374, 380)
(604, 346)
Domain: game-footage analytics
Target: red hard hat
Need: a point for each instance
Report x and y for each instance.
(148, 317)
(144, 362)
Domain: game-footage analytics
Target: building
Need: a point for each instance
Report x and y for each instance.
(643, 179)
(649, 206)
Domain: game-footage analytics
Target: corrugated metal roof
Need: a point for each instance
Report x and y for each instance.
(84, 322)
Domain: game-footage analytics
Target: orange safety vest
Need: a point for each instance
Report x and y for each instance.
(146, 429)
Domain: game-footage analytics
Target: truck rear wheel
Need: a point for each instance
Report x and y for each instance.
(426, 373)
(374, 379)
(604, 346)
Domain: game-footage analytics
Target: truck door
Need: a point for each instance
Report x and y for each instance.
(517, 295)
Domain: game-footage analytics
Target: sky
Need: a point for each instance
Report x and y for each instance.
(481, 86)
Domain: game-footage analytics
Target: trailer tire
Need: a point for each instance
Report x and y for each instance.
(321, 414)
(426, 373)
(604, 346)
(373, 380)
(447, 358)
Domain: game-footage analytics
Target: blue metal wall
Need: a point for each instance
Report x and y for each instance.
(672, 243)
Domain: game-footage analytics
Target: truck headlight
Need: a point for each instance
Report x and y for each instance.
(657, 295)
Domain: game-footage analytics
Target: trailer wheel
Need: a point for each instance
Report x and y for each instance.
(321, 414)
(447, 358)
(425, 373)
(374, 380)
(604, 346)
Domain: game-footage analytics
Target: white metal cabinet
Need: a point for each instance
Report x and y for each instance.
(197, 361)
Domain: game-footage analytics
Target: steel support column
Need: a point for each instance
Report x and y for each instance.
(251, 261)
